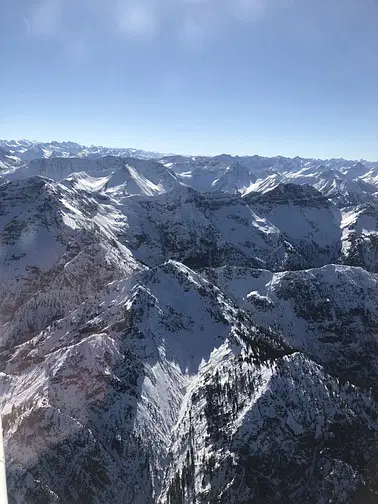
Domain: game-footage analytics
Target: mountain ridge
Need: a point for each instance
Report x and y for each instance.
(170, 334)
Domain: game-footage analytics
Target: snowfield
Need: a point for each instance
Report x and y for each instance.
(187, 330)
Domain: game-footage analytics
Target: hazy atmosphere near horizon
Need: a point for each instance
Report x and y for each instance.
(289, 77)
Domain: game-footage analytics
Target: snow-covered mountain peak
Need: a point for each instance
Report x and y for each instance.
(236, 179)
(27, 151)
(357, 170)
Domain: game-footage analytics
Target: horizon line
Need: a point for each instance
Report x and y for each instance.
(163, 154)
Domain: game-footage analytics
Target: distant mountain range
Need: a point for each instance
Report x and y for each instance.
(26, 150)
(187, 330)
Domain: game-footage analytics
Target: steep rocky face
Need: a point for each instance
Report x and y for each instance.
(236, 179)
(56, 249)
(137, 177)
(360, 236)
(305, 217)
(8, 162)
(343, 191)
(203, 230)
(165, 345)
(330, 314)
(275, 432)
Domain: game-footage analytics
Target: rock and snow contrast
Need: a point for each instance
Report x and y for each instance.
(180, 330)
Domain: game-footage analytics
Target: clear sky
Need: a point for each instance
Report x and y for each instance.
(290, 77)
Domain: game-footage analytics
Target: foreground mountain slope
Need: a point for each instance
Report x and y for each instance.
(111, 377)
(166, 352)
(276, 432)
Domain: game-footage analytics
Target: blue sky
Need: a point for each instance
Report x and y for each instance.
(290, 77)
